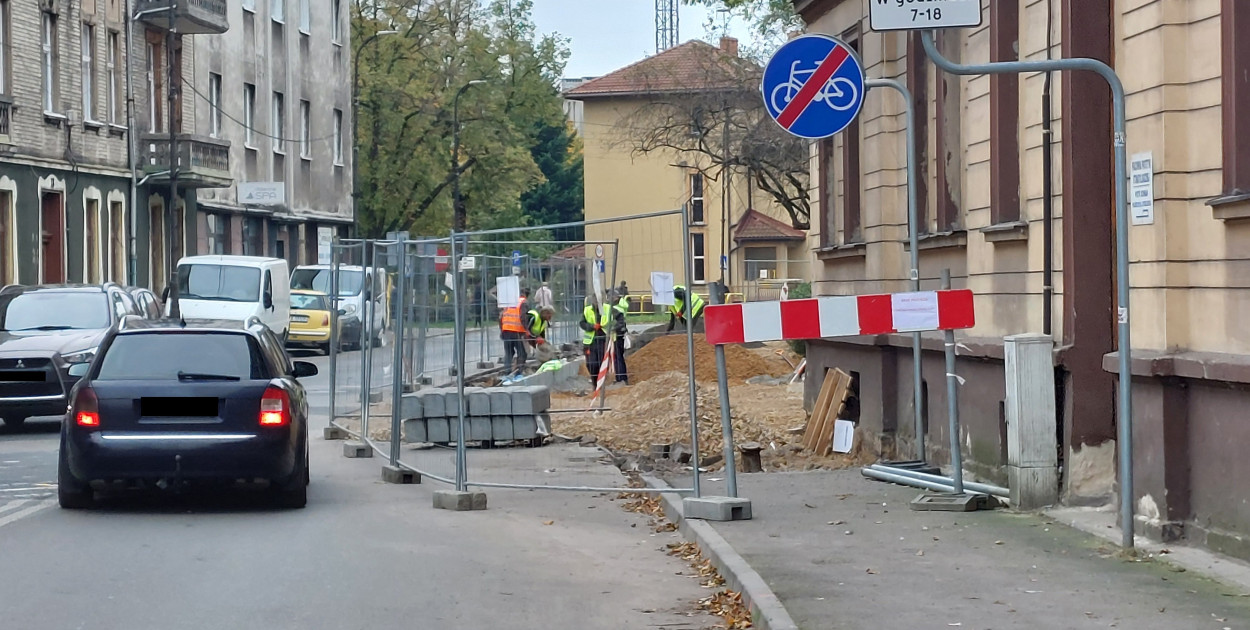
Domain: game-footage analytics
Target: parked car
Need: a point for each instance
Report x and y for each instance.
(357, 287)
(170, 404)
(148, 304)
(310, 321)
(235, 288)
(46, 330)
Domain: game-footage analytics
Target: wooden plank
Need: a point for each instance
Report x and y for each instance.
(837, 403)
(819, 410)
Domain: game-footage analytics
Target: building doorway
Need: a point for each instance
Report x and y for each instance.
(156, 236)
(52, 237)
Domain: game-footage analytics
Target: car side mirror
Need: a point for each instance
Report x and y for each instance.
(79, 370)
(342, 311)
(304, 368)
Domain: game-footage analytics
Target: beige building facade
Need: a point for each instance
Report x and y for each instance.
(621, 182)
(1035, 241)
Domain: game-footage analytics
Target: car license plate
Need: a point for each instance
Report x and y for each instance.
(299, 318)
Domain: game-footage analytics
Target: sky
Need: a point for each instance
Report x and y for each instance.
(606, 35)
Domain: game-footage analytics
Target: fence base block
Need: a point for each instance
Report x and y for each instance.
(459, 501)
(335, 433)
(395, 474)
(717, 508)
(357, 450)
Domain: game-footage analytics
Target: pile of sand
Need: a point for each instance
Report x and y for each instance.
(668, 354)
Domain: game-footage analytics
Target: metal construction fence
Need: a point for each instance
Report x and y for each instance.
(415, 332)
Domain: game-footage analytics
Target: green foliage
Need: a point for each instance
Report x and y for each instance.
(406, 86)
(798, 292)
(771, 20)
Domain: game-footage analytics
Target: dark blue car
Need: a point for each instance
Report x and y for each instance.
(168, 404)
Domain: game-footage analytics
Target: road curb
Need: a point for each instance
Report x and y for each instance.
(766, 608)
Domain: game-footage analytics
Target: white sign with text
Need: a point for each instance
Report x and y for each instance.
(1142, 190)
(909, 15)
(662, 288)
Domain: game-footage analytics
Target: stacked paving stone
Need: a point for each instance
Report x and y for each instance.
(492, 414)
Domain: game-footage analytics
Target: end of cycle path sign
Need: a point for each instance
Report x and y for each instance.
(813, 86)
(910, 15)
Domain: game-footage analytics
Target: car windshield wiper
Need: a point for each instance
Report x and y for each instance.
(193, 376)
(48, 327)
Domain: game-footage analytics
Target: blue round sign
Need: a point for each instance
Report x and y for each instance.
(813, 86)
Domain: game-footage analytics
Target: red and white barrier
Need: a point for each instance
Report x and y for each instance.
(839, 316)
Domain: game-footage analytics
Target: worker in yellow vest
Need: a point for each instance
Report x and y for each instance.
(677, 312)
(620, 328)
(595, 323)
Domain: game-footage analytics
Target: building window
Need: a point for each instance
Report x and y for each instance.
(114, 78)
(214, 104)
(218, 229)
(249, 5)
(278, 122)
(253, 237)
(305, 17)
(152, 74)
(336, 22)
(305, 134)
(1234, 22)
(51, 62)
(761, 263)
(5, 51)
(696, 198)
(851, 210)
(1004, 116)
(117, 241)
(249, 115)
(698, 255)
(277, 10)
(827, 186)
(8, 238)
(91, 244)
(88, 72)
(338, 137)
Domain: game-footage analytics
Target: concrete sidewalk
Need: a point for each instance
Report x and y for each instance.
(842, 551)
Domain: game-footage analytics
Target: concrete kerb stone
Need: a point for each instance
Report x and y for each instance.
(395, 474)
(357, 450)
(766, 608)
(459, 501)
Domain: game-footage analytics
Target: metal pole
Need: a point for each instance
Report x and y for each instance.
(462, 472)
(397, 367)
(175, 243)
(423, 315)
(689, 302)
(969, 486)
(1125, 428)
(334, 325)
(368, 311)
(913, 240)
(726, 419)
(952, 401)
(132, 162)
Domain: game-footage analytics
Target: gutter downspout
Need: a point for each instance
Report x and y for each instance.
(1048, 193)
(132, 158)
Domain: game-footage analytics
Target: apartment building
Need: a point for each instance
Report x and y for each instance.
(276, 87)
(1035, 241)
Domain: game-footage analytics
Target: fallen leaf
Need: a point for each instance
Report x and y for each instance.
(837, 522)
(920, 553)
(549, 522)
(809, 505)
(998, 542)
(872, 571)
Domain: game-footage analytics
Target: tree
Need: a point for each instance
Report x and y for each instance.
(560, 199)
(717, 123)
(405, 86)
(771, 20)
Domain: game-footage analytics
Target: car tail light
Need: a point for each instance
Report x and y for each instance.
(325, 319)
(87, 409)
(275, 408)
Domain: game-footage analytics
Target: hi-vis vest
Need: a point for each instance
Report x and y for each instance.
(588, 337)
(622, 305)
(510, 320)
(679, 306)
(539, 326)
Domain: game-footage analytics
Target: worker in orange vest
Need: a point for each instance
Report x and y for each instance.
(512, 332)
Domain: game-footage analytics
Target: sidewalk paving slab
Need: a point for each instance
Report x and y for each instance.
(845, 552)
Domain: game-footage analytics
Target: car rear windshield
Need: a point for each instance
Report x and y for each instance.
(219, 282)
(319, 280)
(162, 355)
(54, 310)
(309, 302)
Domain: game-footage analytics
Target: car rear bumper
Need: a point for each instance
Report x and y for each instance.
(103, 456)
(308, 336)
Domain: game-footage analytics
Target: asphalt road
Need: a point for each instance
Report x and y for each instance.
(363, 554)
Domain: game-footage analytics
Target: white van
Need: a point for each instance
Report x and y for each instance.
(353, 286)
(235, 288)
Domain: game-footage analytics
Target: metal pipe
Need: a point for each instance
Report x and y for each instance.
(726, 419)
(174, 247)
(462, 469)
(368, 311)
(872, 473)
(424, 475)
(952, 401)
(397, 369)
(523, 486)
(335, 342)
(1125, 425)
(913, 240)
(983, 488)
(132, 160)
(690, 376)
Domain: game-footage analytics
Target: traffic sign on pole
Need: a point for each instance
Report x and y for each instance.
(910, 15)
(813, 86)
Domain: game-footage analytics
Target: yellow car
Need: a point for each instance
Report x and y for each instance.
(310, 320)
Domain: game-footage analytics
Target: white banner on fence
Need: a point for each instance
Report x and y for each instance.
(662, 288)
(508, 288)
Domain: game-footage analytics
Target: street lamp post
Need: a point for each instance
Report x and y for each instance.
(460, 222)
(356, 125)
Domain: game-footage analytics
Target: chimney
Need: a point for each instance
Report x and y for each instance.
(729, 45)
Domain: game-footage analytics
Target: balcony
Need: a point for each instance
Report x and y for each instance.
(202, 162)
(191, 17)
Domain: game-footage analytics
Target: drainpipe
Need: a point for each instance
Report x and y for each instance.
(1048, 193)
(132, 159)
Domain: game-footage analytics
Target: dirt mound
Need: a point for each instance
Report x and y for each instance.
(668, 354)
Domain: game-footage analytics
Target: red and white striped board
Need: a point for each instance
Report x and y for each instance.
(839, 316)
